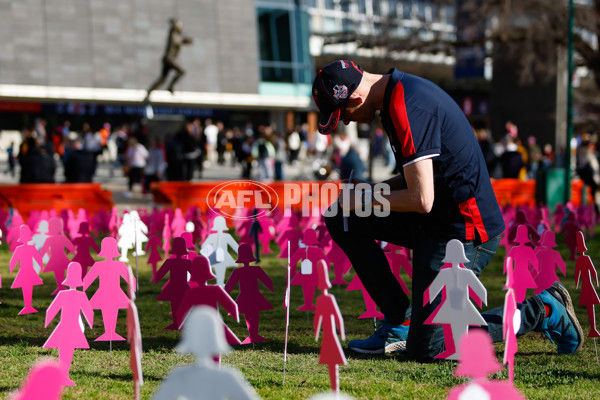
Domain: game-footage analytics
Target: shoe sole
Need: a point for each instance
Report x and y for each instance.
(390, 348)
(566, 298)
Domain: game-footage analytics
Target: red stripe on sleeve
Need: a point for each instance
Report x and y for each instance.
(473, 220)
(400, 120)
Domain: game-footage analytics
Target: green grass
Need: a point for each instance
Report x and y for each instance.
(104, 374)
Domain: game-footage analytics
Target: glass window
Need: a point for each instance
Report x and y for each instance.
(376, 7)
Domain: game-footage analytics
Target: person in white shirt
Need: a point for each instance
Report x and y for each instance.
(136, 158)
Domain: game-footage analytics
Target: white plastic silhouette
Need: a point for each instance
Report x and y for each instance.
(203, 337)
(126, 236)
(216, 248)
(68, 334)
(455, 310)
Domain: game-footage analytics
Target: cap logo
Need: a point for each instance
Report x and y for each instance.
(340, 92)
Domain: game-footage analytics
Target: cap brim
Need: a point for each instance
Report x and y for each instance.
(329, 121)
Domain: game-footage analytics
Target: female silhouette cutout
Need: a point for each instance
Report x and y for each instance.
(109, 297)
(455, 310)
(511, 322)
(216, 248)
(153, 247)
(44, 381)
(83, 244)
(586, 273)
(250, 301)
(68, 334)
(201, 293)
(328, 318)
(55, 245)
(167, 235)
(307, 277)
(27, 278)
(523, 256)
(550, 260)
(569, 230)
(178, 269)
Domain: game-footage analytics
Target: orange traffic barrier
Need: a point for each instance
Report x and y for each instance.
(45, 196)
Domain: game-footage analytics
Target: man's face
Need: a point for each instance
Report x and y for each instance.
(358, 112)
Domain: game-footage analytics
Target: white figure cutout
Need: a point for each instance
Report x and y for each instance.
(203, 337)
(455, 310)
(68, 334)
(126, 236)
(216, 248)
(140, 233)
(38, 240)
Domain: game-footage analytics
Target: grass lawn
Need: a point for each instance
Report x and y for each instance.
(102, 373)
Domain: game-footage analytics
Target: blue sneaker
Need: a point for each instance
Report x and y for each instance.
(561, 326)
(388, 338)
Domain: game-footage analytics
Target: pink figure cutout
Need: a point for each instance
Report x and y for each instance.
(114, 223)
(68, 334)
(55, 245)
(477, 361)
(83, 244)
(569, 230)
(38, 240)
(291, 235)
(307, 277)
(549, 261)
(585, 214)
(544, 223)
(328, 318)
(250, 301)
(398, 262)
(203, 337)
(455, 310)
(288, 221)
(531, 231)
(560, 213)
(341, 263)
(586, 274)
(109, 297)
(201, 293)
(166, 235)
(371, 307)
(511, 322)
(189, 245)
(178, 223)
(14, 227)
(178, 269)
(134, 337)
(27, 278)
(523, 257)
(44, 382)
(153, 249)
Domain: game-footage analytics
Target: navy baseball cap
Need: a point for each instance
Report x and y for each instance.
(331, 90)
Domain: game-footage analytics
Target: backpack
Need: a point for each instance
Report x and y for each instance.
(262, 150)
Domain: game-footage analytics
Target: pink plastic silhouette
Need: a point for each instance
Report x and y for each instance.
(307, 277)
(250, 301)
(134, 337)
(523, 257)
(456, 311)
(109, 297)
(398, 262)
(586, 274)
(521, 220)
(167, 235)
(203, 337)
(291, 235)
(328, 318)
(83, 244)
(216, 248)
(511, 322)
(153, 247)
(14, 227)
(189, 245)
(201, 293)
(68, 334)
(371, 307)
(477, 361)
(559, 215)
(26, 278)
(44, 382)
(178, 223)
(55, 245)
(585, 218)
(38, 240)
(178, 269)
(549, 261)
(114, 223)
(569, 230)
(341, 263)
(544, 223)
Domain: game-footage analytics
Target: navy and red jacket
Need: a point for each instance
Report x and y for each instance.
(423, 121)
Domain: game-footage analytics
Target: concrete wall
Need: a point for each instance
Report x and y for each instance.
(119, 43)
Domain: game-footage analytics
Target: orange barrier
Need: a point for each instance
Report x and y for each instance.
(45, 196)
(202, 194)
